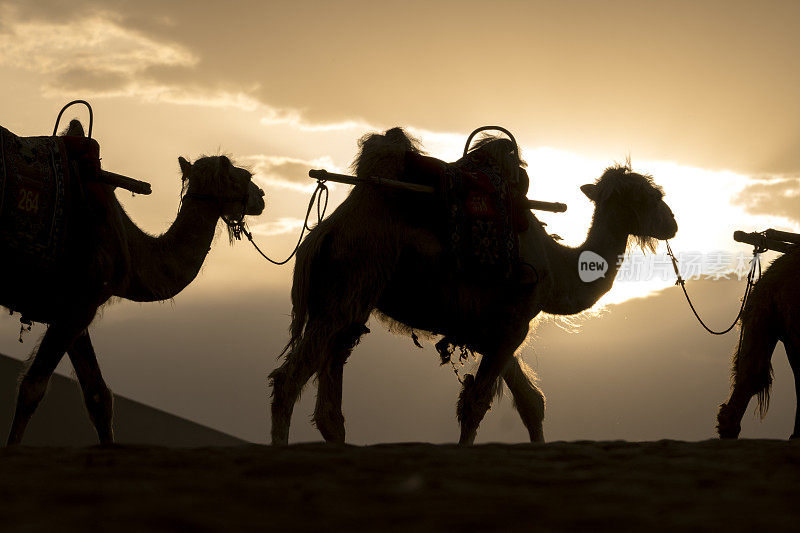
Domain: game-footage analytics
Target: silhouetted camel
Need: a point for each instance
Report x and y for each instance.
(107, 255)
(381, 250)
(771, 314)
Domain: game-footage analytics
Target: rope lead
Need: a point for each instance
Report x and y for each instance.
(755, 263)
(317, 197)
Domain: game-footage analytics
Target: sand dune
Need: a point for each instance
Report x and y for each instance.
(664, 485)
(61, 419)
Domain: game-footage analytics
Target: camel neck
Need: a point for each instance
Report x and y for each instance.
(571, 293)
(163, 266)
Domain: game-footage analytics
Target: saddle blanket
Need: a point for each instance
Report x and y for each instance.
(479, 207)
(34, 189)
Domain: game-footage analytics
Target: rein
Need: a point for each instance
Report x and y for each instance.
(755, 264)
(319, 196)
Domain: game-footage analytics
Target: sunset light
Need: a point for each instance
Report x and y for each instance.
(194, 268)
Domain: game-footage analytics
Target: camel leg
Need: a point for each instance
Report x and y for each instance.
(328, 415)
(528, 399)
(336, 318)
(793, 352)
(476, 395)
(729, 418)
(287, 383)
(58, 337)
(98, 398)
(751, 373)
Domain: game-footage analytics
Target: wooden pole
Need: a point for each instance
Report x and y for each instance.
(758, 239)
(352, 180)
(124, 182)
(777, 235)
(554, 207)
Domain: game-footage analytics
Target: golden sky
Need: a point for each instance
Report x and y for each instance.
(703, 95)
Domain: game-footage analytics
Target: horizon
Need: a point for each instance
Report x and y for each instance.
(712, 116)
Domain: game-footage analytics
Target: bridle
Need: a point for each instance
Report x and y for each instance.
(234, 222)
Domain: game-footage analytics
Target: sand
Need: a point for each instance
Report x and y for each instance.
(735, 485)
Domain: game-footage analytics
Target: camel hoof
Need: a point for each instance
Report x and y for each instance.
(334, 437)
(330, 425)
(467, 440)
(14, 439)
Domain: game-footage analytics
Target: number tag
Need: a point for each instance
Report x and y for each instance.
(28, 200)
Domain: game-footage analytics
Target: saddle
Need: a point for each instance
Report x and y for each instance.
(484, 209)
(39, 178)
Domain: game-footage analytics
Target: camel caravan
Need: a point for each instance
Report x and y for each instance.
(449, 250)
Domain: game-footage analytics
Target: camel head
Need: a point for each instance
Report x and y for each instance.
(635, 203)
(216, 179)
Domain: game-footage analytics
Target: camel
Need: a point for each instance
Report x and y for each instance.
(770, 314)
(382, 251)
(107, 255)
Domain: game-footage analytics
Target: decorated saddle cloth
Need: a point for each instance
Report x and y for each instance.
(479, 204)
(481, 208)
(36, 184)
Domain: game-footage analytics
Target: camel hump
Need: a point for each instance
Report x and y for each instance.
(384, 154)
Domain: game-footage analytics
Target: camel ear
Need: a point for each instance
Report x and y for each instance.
(590, 190)
(185, 167)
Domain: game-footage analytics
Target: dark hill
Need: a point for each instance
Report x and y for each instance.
(61, 419)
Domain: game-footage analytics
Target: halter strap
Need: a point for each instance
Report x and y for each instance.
(219, 199)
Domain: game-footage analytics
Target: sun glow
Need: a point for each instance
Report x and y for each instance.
(704, 202)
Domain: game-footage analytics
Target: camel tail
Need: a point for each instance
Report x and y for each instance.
(752, 361)
(763, 401)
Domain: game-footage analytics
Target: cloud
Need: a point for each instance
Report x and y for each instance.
(94, 51)
(99, 56)
(278, 227)
(287, 172)
(776, 197)
(295, 119)
(77, 78)
(341, 66)
(97, 44)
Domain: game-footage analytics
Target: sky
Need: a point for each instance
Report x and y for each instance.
(702, 95)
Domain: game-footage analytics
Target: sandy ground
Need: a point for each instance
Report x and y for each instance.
(740, 485)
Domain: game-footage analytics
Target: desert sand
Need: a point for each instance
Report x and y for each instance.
(664, 485)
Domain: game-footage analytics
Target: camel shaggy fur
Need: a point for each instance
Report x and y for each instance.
(771, 314)
(107, 255)
(383, 251)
